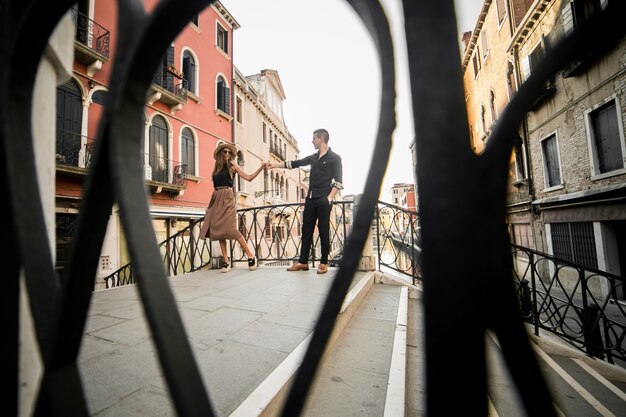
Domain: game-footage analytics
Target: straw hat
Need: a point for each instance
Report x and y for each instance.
(223, 145)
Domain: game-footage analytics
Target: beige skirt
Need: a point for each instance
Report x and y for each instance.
(220, 219)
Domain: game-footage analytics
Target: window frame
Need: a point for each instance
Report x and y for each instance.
(594, 161)
(546, 181)
(501, 16)
(194, 77)
(221, 38)
(194, 149)
(225, 101)
(239, 113)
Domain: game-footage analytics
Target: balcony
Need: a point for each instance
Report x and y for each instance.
(165, 175)
(169, 87)
(73, 153)
(274, 149)
(91, 42)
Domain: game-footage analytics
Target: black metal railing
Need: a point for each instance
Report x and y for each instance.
(158, 169)
(398, 243)
(73, 149)
(272, 231)
(170, 82)
(182, 253)
(91, 34)
(586, 307)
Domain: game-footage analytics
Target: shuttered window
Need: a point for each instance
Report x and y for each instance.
(188, 151)
(223, 95)
(567, 18)
(551, 166)
(606, 138)
(574, 242)
(189, 71)
(222, 38)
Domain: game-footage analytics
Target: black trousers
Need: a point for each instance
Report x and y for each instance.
(315, 210)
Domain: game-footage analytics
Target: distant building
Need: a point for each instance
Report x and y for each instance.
(261, 134)
(397, 191)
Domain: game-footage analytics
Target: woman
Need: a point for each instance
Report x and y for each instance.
(220, 220)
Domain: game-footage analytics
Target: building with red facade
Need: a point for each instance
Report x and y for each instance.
(188, 112)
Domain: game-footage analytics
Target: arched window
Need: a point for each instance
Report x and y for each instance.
(510, 80)
(189, 71)
(188, 151)
(223, 95)
(492, 107)
(482, 119)
(69, 123)
(158, 153)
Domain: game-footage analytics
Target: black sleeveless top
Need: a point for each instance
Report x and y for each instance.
(222, 178)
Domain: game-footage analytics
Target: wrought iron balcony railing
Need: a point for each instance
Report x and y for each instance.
(277, 151)
(174, 86)
(166, 171)
(91, 35)
(73, 149)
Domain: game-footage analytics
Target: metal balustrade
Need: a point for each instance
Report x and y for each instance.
(164, 170)
(274, 234)
(398, 243)
(583, 306)
(73, 149)
(91, 34)
(462, 205)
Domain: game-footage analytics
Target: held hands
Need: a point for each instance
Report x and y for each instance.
(267, 165)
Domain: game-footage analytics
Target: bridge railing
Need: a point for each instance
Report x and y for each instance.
(583, 306)
(274, 234)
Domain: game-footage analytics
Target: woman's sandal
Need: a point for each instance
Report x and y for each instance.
(252, 263)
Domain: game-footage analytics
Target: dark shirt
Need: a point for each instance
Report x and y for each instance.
(223, 178)
(323, 171)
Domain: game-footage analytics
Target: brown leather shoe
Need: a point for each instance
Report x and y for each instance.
(298, 267)
(322, 269)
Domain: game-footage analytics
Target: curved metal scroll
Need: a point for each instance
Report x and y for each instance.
(450, 176)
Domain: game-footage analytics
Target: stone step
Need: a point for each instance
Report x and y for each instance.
(580, 385)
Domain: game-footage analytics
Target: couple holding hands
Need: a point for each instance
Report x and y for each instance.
(325, 180)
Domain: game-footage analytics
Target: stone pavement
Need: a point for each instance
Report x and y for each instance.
(241, 326)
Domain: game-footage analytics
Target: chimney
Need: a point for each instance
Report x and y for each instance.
(465, 38)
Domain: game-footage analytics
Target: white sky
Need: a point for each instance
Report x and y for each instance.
(328, 67)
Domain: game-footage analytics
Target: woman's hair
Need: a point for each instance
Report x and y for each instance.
(219, 163)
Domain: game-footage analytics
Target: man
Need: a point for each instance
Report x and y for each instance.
(325, 180)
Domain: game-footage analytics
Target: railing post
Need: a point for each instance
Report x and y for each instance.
(367, 262)
(378, 248)
(533, 283)
(526, 302)
(591, 321)
(591, 327)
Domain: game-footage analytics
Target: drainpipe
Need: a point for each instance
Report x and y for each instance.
(232, 83)
(526, 144)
